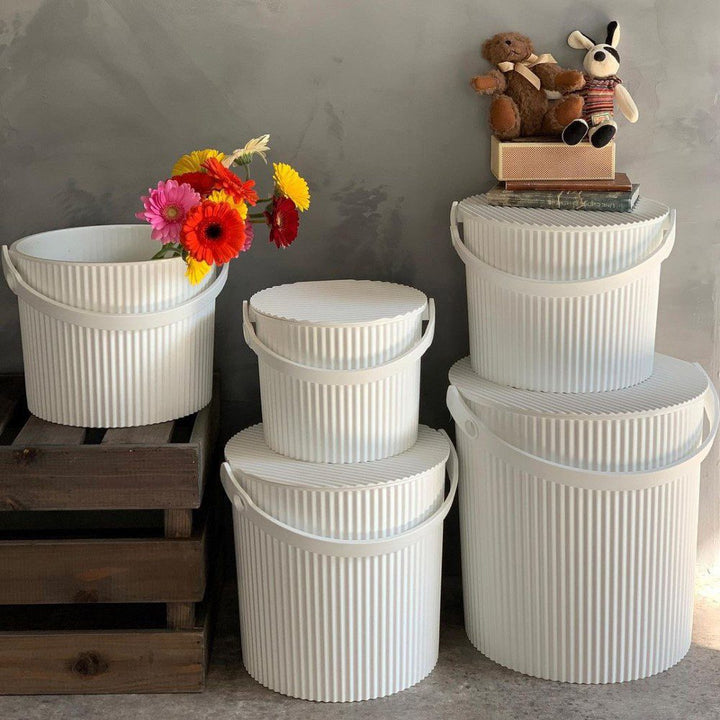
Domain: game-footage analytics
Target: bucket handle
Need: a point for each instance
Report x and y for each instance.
(320, 545)
(103, 320)
(563, 288)
(328, 376)
(475, 429)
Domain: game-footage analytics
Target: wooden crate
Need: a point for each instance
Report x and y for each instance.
(104, 548)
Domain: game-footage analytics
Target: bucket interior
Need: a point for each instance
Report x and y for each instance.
(98, 244)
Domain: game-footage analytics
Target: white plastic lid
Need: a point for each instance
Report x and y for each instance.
(477, 207)
(335, 302)
(674, 383)
(248, 453)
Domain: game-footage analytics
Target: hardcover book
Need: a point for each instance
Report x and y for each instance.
(620, 183)
(565, 199)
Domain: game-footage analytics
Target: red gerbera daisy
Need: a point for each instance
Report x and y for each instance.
(230, 182)
(283, 220)
(213, 232)
(200, 182)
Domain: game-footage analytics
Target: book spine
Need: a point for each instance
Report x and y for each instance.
(560, 201)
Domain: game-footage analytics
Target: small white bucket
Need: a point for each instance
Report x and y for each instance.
(350, 392)
(572, 574)
(648, 425)
(337, 620)
(548, 244)
(111, 339)
(574, 336)
(361, 501)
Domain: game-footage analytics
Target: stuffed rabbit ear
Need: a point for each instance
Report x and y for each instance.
(579, 41)
(613, 34)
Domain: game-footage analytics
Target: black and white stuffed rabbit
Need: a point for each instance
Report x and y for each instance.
(602, 89)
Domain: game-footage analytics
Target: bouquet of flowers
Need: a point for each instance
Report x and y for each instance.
(202, 212)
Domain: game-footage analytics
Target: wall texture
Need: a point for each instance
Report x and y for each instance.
(370, 100)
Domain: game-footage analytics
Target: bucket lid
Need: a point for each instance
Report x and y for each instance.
(338, 302)
(248, 453)
(674, 383)
(476, 207)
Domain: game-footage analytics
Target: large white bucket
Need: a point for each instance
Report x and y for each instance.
(337, 620)
(359, 501)
(560, 244)
(572, 574)
(361, 404)
(573, 336)
(648, 425)
(111, 339)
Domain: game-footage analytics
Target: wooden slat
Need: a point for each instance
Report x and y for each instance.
(100, 477)
(103, 662)
(178, 523)
(158, 434)
(105, 571)
(180, 616)
(40, 432)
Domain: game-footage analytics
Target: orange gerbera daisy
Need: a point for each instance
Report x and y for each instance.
(213, 232)
(241, 191)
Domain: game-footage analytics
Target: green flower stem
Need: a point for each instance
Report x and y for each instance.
(167, 247)
(263, 221)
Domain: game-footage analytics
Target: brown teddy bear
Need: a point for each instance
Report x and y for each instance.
(520, 106)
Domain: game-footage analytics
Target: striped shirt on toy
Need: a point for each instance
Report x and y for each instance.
(599, 95)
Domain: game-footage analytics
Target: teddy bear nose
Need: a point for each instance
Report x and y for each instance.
(599, 56)
(508, 42)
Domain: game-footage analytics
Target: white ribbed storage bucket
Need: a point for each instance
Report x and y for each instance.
(361, 501)
(572, 574)
(645, 426)
(551, 244)
(337, 620)
(575, 336)
(339, 365)
(110, 338)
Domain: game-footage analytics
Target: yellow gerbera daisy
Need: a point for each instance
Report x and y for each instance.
(289, 184)
(196, 270)
(219, 196)
(192, 162)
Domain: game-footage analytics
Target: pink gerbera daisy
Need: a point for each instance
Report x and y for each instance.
(166, 208)
(249, 235)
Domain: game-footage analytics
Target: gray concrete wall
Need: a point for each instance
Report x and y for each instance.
(370, 100)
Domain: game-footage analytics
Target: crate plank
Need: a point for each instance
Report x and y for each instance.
(103, 662)
(158, 434)
(40, 432)
(106, 571)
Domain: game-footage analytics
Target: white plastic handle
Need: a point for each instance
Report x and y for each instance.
(526, 462)
(327, 376)
(103, 320)
(563, 288)
(329, 546)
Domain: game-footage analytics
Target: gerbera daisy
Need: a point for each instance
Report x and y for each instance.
(290, 185)
(249, 236)
(231, 183)
(200, 181)
(283, 219)
(166, 208)
(193, 162)
(222, 196)
(256, 146)
(196, 270)
(213, 232)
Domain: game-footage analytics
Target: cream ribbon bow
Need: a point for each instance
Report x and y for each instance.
(523, 67)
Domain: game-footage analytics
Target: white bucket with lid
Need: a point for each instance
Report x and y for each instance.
(339, 366)
(360, 501)
(645, 426)
(548, 244)
(337, 620)
(574, 574)
(575, 336)
(111, 338)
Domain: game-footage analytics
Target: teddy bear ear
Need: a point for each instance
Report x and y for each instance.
(579, 41)
(613, 34)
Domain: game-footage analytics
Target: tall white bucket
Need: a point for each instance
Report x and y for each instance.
(572, 574)
(337, 620)
(111, 339)
(572, 336)
(339, 365)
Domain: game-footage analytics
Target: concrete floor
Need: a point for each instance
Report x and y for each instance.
(464, 685)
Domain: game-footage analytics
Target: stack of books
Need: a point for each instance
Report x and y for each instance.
(541, 173)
